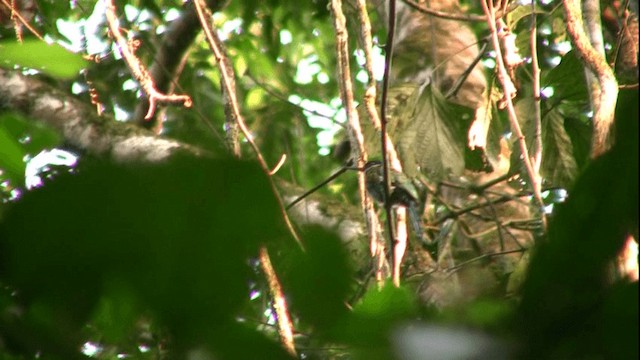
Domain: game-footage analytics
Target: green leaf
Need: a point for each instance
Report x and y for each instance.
(324, 266)
(567, 80)
(559, 165)
(580, 133)
(434, 139)
(52, 59)
(177, 235)
(12, 164)
(520, 12)
(370, 324)
(20, 137)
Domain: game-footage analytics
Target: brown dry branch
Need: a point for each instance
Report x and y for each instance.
(357, 140)
(285, 326)
(136, 67)
(605, 104)
(509, 92)
(228, 84)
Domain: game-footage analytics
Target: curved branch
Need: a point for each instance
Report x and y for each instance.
(605, 105)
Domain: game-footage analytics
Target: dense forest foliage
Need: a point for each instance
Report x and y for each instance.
(154, 157)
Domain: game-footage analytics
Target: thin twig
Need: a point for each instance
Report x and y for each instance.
(356, 135)
(481, 257)
(315, 188)
(285, 328)
(399, 242)
(624, 30)
(138, 70)
(278, 96)
(226, 73)
(462, 78)
(537, 155)
(446, 15)
(508, 89)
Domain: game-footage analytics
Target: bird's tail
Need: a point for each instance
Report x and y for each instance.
(414, 218)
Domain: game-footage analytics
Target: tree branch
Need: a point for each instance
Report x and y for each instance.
(139, 72)
(176, 40)
(605, 103)
(80, 126)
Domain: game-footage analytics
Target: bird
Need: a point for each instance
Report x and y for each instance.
(402, 193)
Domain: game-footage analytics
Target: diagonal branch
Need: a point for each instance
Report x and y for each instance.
(227, 74)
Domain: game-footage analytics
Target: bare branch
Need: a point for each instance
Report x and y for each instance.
(377, 246)
(138, 70)
(228, 82)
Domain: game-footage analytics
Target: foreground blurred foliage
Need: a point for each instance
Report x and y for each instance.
(171, 239)
(160, 256)
(158, 261)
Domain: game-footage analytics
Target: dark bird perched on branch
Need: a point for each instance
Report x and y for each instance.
(402, 193)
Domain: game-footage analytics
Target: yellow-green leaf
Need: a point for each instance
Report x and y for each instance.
(52, 59)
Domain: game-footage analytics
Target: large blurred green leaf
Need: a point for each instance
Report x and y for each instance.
(11, 158)
(52, 59)
(368, 328)
(318, 279)
(566, 310)
(178, 235)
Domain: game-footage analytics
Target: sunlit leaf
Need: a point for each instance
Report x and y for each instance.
(52, 59)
